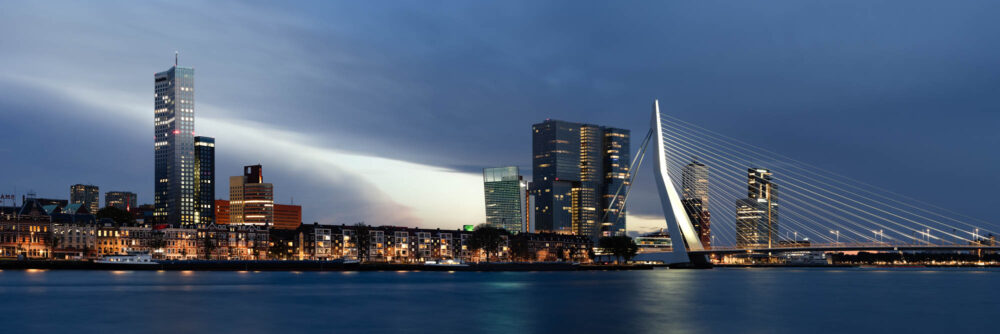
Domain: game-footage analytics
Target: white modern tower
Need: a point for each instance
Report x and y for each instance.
(682, 232)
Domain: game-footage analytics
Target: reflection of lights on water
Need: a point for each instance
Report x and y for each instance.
(402, 271)
(187, 272)
(32, 271)
(243, 272)
(451, 271)
(296, 272)
(348, 272)
(119, 272)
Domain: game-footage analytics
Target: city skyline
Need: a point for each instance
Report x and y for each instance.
(118, 98)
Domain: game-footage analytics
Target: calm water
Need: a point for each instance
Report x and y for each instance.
(658, 301)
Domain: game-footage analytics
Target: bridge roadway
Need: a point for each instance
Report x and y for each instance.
(848, 247)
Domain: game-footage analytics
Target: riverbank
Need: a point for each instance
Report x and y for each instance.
(306, 266)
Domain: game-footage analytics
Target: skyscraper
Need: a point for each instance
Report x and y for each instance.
(694, 186)
(204, 180)
(173, 118)
(506, 194)
(124, 200)
(757, 215)
(251, 201)
(577, 171)
(85, 194)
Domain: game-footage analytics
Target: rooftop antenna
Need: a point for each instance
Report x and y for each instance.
(175, 58)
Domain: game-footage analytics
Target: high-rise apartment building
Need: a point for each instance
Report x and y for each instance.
(578, 171)
(251, 201)
(173, 117)
(507, 199)
(694, 186)
(124, 200)
(222, 212)
(85, 194)
(204, 180)
(757, 215)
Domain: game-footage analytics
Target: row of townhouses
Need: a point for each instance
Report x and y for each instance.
(37, 231)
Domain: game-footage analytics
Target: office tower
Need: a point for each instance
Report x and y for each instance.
(578, 170)
(124, 200)
(173, 118)
(506, 194)
(85, 194)
(287, 216)
(694, 186)
(251, 201)
(757, 215)
(204, 180)
(222, 212)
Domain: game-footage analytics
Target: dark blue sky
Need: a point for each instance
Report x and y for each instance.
(387, 112)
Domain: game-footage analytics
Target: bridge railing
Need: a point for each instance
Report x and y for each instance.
(855, 245)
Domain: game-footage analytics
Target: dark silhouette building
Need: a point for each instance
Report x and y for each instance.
(578, 170)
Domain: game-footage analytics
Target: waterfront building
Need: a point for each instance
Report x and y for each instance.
(287, 216)
(757, 215)
(694, 186)
(173, 119)
(550, 247)
(204, 180)
(251, 201)
(124, 200)
(86, 194)
(507, 199)
(578, 170)
(26, 232)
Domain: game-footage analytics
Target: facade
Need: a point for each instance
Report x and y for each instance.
(174, 177)
(578, 170)
(222, 212)
(88, 195)
(287, 217)
(757, 215)
(124, 200)
(694, 192)
(507, 199)
(251, 201)
(204, 180)
(550, 247)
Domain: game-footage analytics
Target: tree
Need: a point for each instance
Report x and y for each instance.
(208, 244)
(120, 216)
(622, 247)
(363, 241)
(520, 248)
(488, 238)
(53, 242)
(278, 250)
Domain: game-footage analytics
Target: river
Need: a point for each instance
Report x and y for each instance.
(771, 300)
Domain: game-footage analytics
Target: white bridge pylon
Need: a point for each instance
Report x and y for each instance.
(682, 233)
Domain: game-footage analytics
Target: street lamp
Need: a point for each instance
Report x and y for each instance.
(837, 233)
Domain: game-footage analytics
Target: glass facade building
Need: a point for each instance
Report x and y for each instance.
(578, 170)
(173, 118)
(757, 215)
(204, 180)
(124, 200)
(507, 200)
(85, 194)
(694, 186)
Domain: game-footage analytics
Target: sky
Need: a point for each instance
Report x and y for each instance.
(386, 112)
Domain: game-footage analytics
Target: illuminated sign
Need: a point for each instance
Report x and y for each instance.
(468, 228)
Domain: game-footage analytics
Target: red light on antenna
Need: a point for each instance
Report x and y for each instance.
(177, 132)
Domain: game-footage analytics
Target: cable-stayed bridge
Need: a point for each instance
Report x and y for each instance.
(721, 195)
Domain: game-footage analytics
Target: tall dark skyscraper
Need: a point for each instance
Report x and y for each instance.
(124, 200)
(173, 117)
(576, 171)
(694, 184)
(88, 195)
(204, 180)
(757, 215)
